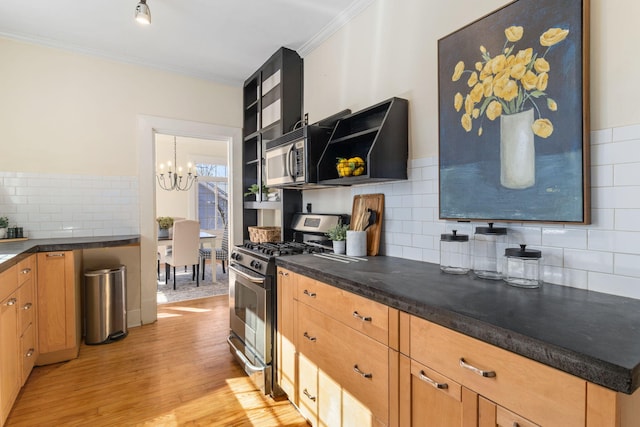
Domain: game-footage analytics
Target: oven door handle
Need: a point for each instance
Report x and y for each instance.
(247, 363)
(252, 279)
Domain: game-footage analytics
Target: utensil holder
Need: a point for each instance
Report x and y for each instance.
(356, 243)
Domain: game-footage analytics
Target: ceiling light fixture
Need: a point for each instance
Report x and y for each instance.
(173, 179)
(143, 14)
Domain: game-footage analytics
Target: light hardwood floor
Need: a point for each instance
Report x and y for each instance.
(175, 372)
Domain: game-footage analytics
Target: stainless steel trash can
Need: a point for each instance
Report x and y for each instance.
(105, 305)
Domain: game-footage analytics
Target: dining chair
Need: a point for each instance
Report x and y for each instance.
(185, 245)
(222, 253)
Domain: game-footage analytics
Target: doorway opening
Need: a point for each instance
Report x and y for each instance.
(207, 201)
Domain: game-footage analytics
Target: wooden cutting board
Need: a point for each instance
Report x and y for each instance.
(361, 203)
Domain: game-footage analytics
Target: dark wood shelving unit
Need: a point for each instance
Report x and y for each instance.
(379, 135)
(272, 106)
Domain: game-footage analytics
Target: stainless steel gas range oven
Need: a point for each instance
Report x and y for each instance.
(252, 295)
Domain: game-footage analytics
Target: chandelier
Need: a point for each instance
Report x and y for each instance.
(174, 179)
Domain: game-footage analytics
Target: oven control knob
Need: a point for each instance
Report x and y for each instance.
(236, 256)
(256, 264)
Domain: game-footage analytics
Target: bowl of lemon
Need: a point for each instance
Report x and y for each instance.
(353, 166)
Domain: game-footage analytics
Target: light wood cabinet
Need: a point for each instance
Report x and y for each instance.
(340, 348)
(58, 289)
(17, 330)
(10, 374)
(534, 391)
(27, 318)
(286, 370)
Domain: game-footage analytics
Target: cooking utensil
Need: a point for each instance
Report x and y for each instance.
(362, 204)
(371, 218)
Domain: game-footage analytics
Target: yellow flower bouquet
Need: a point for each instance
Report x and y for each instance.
(508, 83)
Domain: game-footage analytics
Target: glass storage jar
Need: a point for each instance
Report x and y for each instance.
(488, 246)
(455, 256)
(522, 267)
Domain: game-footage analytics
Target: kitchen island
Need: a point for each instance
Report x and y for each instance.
(590, 335)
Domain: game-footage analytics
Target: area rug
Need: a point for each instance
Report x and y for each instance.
(186, 288)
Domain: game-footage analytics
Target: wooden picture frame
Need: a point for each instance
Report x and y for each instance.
(514, 115)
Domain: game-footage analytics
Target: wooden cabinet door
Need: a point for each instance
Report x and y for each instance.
(10, 373)
(430, 399)
(286, 347)
(56, 302)
(308, 389)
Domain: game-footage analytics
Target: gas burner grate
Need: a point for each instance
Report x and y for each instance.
(283, 248)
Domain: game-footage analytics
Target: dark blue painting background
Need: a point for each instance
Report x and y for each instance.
(470, 164)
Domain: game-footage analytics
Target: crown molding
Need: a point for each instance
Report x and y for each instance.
(338, 22)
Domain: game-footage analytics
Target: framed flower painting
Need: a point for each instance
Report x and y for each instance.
(514, 115)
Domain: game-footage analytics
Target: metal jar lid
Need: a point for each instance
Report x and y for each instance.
(491, 230)
(522, 252)
(454, 237)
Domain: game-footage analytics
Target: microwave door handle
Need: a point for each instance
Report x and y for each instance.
(290, 165)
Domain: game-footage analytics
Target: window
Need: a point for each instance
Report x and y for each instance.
(213, 195)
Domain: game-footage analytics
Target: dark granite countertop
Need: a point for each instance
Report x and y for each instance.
(13, 252)
(588, 334)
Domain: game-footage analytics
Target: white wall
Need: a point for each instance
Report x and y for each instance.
(391, 50)
(182, 203)
(71, 121)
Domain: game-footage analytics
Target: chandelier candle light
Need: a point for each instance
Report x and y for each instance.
(174, 179)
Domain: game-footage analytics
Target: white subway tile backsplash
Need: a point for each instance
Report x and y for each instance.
(626, 174)
(614, 284)
(603, 256)
(65, 205)
(627, 265)
(564, 237)
(602, 176)
(624, 133)
(627, 219)
(601, 136)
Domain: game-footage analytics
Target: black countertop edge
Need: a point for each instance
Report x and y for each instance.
(14, 252)
(594, 370)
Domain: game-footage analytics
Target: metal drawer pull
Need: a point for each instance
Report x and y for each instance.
(11, 302)
(311, 294)
(359, 372)
(27, 306)
(309, 337)
(283, 273)
(486, 374)
(436, 384)
(25, 271)
(30, 352)
(306, 393)
(57, 255)
(363, 318)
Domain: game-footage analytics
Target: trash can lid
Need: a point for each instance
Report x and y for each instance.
(104, 271)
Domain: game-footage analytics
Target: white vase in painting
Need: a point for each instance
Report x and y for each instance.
(517, 151)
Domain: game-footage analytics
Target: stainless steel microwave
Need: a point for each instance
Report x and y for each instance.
(292, 159)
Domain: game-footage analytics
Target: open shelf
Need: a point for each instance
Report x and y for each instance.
(272, 105)
(379, 135)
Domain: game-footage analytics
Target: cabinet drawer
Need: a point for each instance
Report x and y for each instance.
(28, 352)
(26, 269)
(362, 314)
(356, 362)
(537, 392)
(27, 307)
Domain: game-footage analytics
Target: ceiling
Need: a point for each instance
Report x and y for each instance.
(219, 40)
